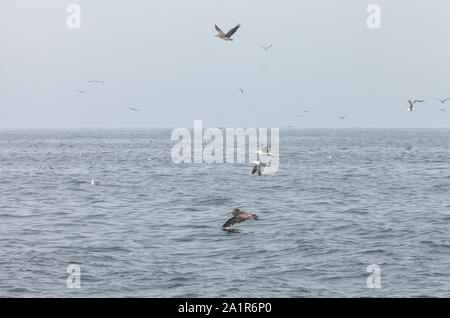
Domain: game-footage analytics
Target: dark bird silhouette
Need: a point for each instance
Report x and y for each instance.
(238, 217)
(411, 104)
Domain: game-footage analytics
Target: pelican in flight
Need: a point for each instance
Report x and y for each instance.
(266, 47)
(238, 217)
(443, 100)
(226, 36)
(264, 150)
(133, 109)
(411, 104)
(259, 166)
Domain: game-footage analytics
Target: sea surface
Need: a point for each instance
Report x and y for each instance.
(342, 200)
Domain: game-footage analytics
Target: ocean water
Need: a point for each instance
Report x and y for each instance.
(342, 200)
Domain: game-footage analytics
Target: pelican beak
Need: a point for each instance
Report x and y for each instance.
(227, 213)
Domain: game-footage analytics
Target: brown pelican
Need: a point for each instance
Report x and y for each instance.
(238, 217)
(226, 36)
(266, 47)
(264, 150)
(259, 166)
(411, 104)
(443, 100)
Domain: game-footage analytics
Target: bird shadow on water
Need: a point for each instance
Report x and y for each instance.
(230, 231)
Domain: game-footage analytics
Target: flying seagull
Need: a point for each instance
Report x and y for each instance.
(259, 166)
(342, 117)
(94, 182)
(238, 217)
(264, 150)
(411, 104)
(266, 47)
(81, 91)
(443, 100)
(226, 36)
(242, 91)
(45, 165)
(133, 109)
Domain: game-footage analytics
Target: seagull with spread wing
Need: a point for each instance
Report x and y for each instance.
(259, 167)
(238, 217)
(411, 104)
(443, 100)
(264, 150)
(266, 48)
(226, 36)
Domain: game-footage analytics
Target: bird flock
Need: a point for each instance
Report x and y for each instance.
(239, 216)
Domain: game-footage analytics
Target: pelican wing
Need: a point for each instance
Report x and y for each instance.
(238, 218)
(219, 30)
(232, 221)
(231, 32)
(255, 168)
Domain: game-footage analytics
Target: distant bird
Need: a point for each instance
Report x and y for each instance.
(95, 81)
(442, 110)
(408, 149)
(342, 117)
(133, 109)
(264, 150)
(266, 47)
(226, 36)
(242, 91)
(443, 100)
(411, 104)
(81, 91)
(259, 166)
(94, 182)
(45, 165)
(238, 217)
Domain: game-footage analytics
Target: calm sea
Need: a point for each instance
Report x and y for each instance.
(342, 200)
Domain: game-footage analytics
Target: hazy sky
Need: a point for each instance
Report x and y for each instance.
(162, 57)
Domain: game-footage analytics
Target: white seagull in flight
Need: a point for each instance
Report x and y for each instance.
(264, 150)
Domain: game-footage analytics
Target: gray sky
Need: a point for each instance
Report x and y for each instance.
(162, 57)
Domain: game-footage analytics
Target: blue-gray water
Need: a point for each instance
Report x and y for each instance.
(151, 228)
